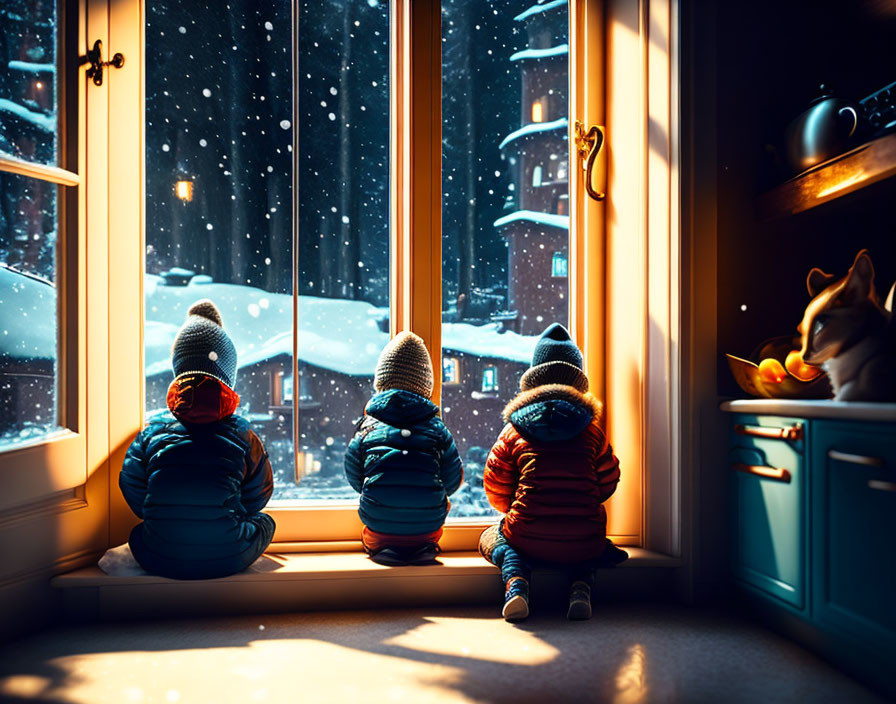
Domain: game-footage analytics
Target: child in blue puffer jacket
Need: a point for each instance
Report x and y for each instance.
(403, 461)
(199, 477)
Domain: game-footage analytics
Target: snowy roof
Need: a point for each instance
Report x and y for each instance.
(28, 327)
(540, 7)
(534, 128)
(486, 341)
(551, 219)
(30, 67)
(338, 334)
(45, 122)
(560, 50)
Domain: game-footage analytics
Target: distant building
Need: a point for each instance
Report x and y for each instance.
(537, 226)
(337, 345)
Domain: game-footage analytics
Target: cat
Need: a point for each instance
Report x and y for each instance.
(847, 331)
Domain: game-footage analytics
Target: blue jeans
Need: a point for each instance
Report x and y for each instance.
(493, 546)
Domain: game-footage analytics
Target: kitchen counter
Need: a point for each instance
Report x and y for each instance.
(813, 409)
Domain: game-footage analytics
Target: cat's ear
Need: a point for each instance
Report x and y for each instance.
(818, 281)
(860, 279)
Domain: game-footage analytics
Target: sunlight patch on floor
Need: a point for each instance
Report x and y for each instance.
(276, 670)
(478, 639)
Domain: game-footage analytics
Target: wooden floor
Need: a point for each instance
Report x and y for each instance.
(627, 654)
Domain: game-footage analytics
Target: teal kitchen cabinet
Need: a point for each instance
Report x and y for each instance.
(767, 461)
(854, 527)
(814, 524)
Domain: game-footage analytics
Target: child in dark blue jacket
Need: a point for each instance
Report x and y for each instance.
(199, 477)
(403, 460)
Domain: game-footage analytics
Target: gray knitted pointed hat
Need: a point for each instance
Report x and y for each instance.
(404, 364)
(203, 346)
(556, 360)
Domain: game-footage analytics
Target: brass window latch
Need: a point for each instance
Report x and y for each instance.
(588, 146)
(95, 59)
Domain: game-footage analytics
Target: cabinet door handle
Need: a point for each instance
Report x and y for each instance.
(855, 459)
(778, 474)
(791, 432)
(880, 485)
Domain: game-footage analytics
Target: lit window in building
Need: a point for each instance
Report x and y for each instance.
(490, 379)
(561, 171)
(559, 265)
(450, 370)
(538, 111)
(184, 190)
(286, 390)
(536, 176)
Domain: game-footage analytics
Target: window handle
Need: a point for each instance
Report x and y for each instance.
(588, 146)
(95, 59)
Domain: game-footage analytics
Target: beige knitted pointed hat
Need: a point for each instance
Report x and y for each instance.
(404, 364)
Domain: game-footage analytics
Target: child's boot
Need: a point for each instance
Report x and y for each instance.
(516, 599)
(579, 601)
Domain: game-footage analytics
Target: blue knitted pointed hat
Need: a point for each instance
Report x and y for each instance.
(556, 360)
(202, 345)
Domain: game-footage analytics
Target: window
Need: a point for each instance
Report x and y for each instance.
(450, 370)
(559, 264)
(472, 282)
(490, 379)
(220, 220)
(29, 226)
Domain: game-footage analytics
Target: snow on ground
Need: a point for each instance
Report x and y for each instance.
(338, 334)
(28, 320)
(534, 128)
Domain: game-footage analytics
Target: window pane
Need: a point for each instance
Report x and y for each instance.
(28, 125)
(28, 329)
(220, 218)
(505, 219)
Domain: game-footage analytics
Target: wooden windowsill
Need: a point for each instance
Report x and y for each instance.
(281, 582)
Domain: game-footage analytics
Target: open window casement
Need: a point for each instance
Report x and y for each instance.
(54, 288)
(619, 298)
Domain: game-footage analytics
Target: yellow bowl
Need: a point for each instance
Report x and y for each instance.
(746, 374)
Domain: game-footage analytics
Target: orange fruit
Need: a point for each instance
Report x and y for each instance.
(798, 368)
(771, 371)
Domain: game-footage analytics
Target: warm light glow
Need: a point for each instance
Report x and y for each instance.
(184, 190)
(39, 85)
(537, 111)
(475, 639)
(845, 183)
(631, 677)
(771, 371)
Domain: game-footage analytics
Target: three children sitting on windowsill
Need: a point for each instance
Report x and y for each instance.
(200, 477)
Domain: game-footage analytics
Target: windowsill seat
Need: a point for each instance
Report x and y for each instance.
(281, 582)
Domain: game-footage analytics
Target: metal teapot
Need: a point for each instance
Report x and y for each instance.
(821, 132)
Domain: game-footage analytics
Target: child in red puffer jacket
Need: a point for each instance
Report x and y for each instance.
(549, 472)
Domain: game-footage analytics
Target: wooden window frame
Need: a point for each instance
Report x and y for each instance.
(54, 508)
(631, 328)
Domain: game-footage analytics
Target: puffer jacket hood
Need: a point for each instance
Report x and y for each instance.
(549, 472)
(552, 413)
(400, 408)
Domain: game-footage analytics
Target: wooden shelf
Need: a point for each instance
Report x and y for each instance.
(856, 169)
